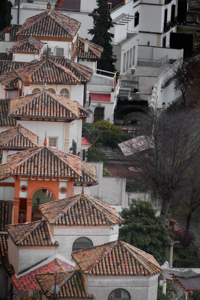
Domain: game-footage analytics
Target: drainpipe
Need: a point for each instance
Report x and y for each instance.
(171, 252)
(18, 8)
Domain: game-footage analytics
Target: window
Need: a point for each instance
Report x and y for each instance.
(124, 63)
(98, 114)
(59, 52)
(136, 19)
(119, 294)
(127, 62)
(164, 42)
(109, 5)
(53, 142)
(12, 94)
(65, 93)
(36, 90)
(133, 61)
(51, 91)
(82, 243)
(74, 146)
(130, 61)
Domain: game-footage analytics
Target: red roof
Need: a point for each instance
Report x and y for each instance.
(84, 142)
(28, 282)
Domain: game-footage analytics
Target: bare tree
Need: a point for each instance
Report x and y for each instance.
(165, 155)
(187, 79)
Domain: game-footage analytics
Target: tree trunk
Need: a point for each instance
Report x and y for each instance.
(188, 220)
(164, 210)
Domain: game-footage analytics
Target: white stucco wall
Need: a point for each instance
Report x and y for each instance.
(7, 192)
(29, 256)
(4, 46)
(66, 236)
(140, 288)
(76, 134)
(13, 255)
(48, 129)
(25, 57)
(145, 52)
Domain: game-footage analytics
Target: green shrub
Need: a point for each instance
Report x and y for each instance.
(106, 172)
(96, 155)
(105, 125)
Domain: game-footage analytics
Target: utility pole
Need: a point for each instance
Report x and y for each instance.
(18, 8)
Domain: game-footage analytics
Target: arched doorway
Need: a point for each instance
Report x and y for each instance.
(40, 197)
(119, 294)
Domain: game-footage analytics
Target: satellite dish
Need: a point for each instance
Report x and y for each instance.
(55, 289)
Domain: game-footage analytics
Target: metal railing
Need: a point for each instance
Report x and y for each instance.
(153, 62)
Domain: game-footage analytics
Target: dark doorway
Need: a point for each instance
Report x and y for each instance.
(98, 114)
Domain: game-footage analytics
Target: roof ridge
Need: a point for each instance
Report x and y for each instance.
(18, 129)
(26, 158)
(59, 101)
(29, 231)
(137, 258)
(65, 69)
(107, 208)
(59, 157)
(103, 255)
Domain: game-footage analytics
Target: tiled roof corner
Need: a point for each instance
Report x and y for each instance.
(28, 282)
(18, 138)
(13, 33)
(29, 44)
(89, 174)
(80, 210)
(8, 66)
(5, 119)
(70, 283)
(6, 56)
(30, 234)
(50, 23)
(4, 253)
(6, 209)
(94, 51)
(116, 258)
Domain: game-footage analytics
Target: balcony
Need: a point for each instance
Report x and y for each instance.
(167, 26)
(174, 22)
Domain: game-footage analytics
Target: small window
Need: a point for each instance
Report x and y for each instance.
(51, 91)
(136, 19)
(36, 90)
(59, 52)
(53, 142)
(82, 243)
(64, 93)
(119, 294)
(109, 5)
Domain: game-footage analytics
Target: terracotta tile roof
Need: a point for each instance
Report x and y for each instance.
(82, 72)
(94, 50)
(6, 208)
(4, 254)
(28, 281)
(29, 44)
(85, 142)
(80, 210)
(18, 138)
(3, 246)
(5, 56)
(70, 283)
(49, 69)
(46, 105)
(5, 119)
(8, 66)
(89, 174)
(9, 80)
(31, 234)
(116, 258)
(42, 161)
(50, 23)
(13, 33)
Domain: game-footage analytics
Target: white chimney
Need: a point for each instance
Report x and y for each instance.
(7, 34)
(86, 46)
(27, 83)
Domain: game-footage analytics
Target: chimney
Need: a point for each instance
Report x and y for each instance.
(48, 5)
(86, 46)
(7, 34)
(27, 83)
